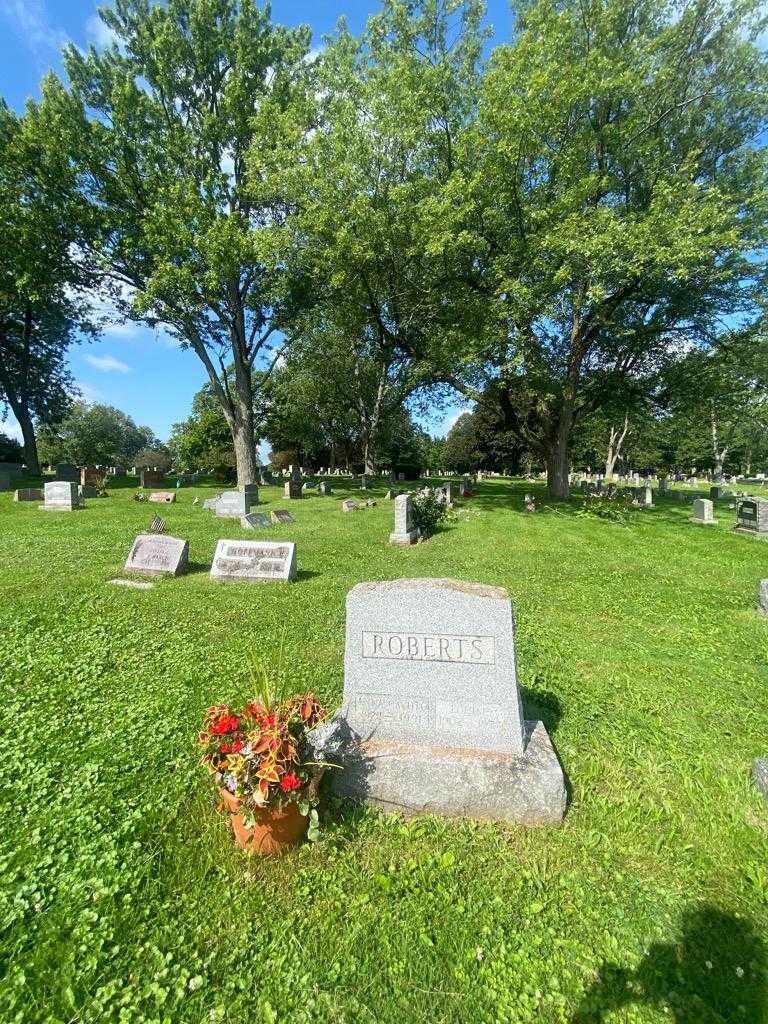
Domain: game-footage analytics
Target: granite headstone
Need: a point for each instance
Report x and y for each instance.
(155, 554)
(254, 560)
(431, 718)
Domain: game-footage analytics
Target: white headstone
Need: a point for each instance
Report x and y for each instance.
(254, 560)
(156, 554)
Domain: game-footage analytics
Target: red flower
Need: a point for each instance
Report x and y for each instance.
(289, 782)
(237, 746)
(228, 723)
(225, 748)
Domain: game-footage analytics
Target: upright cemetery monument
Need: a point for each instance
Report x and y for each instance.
(405, 532)
(293, 488)
(703, 512)
(62, 496)
(431, 719)
(752, 517)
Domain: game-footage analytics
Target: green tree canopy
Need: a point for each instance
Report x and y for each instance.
(168, 117)
(94, 434)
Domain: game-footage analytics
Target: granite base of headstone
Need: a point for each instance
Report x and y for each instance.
(760, 775)
(254, 561)
(431, 720)
(155, 554)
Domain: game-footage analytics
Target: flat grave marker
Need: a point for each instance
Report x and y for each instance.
(29, 494)
(255, 521)
(155, 554)
(281, 515)
(163, 497)
(254, 561)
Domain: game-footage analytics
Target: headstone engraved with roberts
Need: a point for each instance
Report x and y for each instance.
(431, 719)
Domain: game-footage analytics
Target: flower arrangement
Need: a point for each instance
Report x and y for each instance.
(259, 753)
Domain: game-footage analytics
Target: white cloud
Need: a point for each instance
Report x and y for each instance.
(108, 364)
(30, 19)
(89, 394)
(98, 33)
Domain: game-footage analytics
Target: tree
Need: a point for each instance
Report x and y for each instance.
(94, 434)
(616, 209)
(155, 457)
(177, 119)
(10, 449)
(392, 104)
(44, 225)
(461, 447)
(203, 441)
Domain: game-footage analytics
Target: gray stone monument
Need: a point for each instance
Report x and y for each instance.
(715, 493)
(431, 719)
(762, 597)
(703, 512)
(67, 472)
(752, 517)
(293, 488)
(236, 504)
(324, 488)
(254, 561)
(155, 554)
(62, 496)
(349, 505)
(405, 533)
(663, 486)
(29, 494)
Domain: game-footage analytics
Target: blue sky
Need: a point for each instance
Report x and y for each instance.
(143, 373)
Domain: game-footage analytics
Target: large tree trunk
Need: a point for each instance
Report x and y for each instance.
(30, 441)
(558, 458)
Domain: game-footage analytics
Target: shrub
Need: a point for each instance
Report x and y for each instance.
(428, 513)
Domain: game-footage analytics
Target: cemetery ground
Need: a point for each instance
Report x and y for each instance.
(124, 898)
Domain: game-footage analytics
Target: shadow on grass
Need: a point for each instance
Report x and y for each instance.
(714, 972)
(542, 705)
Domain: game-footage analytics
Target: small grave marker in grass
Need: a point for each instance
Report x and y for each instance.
(254, 560)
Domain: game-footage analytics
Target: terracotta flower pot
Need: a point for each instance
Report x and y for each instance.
(276, 829)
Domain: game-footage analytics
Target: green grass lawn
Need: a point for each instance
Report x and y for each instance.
(123, 898)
